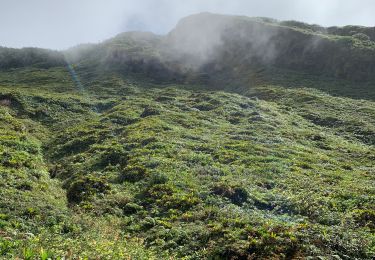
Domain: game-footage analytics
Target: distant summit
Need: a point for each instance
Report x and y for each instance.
(225, 51)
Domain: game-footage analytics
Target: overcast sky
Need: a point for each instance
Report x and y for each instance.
(59, 24)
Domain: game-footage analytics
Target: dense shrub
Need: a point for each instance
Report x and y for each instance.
(236, 194)
(150, 111)
(86, 187)
(361, 36)
(365, 218)
(133, 173)
(16, 58)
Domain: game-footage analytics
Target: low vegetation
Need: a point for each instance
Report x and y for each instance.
(108, 163)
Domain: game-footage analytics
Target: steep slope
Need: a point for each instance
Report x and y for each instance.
(36, 221)
(235, 53)
(243, 41)
(142, 147)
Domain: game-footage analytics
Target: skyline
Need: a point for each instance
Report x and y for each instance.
(59, 25)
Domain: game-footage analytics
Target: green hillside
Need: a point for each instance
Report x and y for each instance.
(142, 147)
